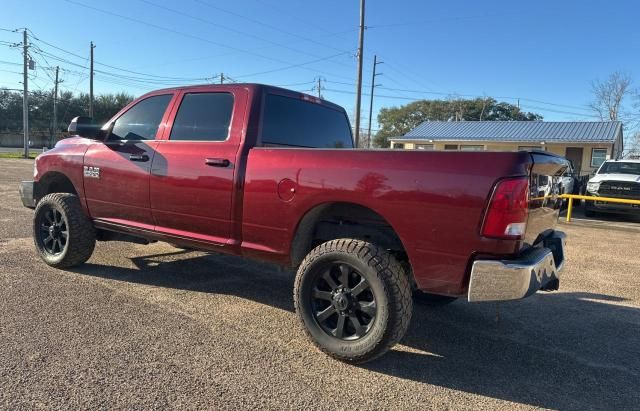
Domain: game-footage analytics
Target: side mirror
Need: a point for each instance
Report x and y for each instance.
(84, 127)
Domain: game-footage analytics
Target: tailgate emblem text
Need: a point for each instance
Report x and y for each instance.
(92, 172)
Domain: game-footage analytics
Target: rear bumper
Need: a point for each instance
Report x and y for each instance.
(502, 280)
(27, 193)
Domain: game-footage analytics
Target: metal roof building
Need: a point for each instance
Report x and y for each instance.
(518, 131)
(586, 143)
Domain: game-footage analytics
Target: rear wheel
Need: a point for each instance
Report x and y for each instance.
(63, 234)
(353, 299)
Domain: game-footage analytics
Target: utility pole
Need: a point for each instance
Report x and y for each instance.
(55, 107)
(25, 94)
(91, 83)
(318, 86)
(359, 82)
(373, 86)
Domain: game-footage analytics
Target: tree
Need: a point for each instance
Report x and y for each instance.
(609, 95)
(396, 121)
(69, 106)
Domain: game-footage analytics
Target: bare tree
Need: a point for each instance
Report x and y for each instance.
(609, 95)
(485, 100)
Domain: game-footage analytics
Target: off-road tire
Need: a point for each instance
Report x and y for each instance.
(388, 284)
(432, 300)
(81, 234)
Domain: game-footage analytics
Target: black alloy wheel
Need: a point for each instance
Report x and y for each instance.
(353, 299)
(63, 233)
(343, 302)
(53, 230)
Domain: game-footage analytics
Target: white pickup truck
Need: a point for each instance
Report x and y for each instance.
(614, 178)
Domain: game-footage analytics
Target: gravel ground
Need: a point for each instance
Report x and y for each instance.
(158, 327)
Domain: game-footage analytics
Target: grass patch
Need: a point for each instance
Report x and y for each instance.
(19, 154)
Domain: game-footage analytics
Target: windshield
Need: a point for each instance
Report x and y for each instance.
(620, 167)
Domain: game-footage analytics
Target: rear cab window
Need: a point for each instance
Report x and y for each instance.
(203, 117)
(294, 122)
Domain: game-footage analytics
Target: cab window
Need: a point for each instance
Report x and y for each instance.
(203, 117)
(141, 121)
(291, 122)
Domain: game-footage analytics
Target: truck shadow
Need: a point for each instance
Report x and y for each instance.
(567, 350)
(561, 350)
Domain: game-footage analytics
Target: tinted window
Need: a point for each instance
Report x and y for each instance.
(141, 121)
(204, 117)
(298, 123)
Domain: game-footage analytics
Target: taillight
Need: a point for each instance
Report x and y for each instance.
(508, 209)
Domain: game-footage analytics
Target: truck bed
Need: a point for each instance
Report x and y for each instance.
(435, 201)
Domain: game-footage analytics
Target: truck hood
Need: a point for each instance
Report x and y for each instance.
(614, 177)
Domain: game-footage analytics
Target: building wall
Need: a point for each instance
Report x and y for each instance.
(559, 149)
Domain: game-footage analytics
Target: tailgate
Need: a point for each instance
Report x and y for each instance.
(544, 186)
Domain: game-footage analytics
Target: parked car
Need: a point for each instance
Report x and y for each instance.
(568, 183)
(272, 174)
(614, 178)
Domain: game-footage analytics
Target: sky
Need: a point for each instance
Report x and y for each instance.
(544, 53)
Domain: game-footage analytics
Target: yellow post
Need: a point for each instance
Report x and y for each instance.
(569, 207)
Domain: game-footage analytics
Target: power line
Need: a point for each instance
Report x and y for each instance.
(107, 73)
(108, 65)
(233, 30)
(181, 33)
(289, 66)
(272, 27)
(10, 63)
(129, 80)
(442, 93)
(296, 84)
(582, 115)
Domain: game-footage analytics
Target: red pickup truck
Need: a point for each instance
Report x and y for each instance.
(271, 174)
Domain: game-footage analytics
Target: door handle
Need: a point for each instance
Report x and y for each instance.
(217, 162)
(139, 157)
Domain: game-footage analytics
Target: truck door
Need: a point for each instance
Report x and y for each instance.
(116, 171)
(192, 174)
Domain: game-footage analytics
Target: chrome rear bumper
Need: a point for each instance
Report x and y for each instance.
(501, 280)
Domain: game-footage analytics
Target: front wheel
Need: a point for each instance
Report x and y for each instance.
(63, 234)
(353, 299)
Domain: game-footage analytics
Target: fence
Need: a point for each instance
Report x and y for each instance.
(572, 197)
(37, 139)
